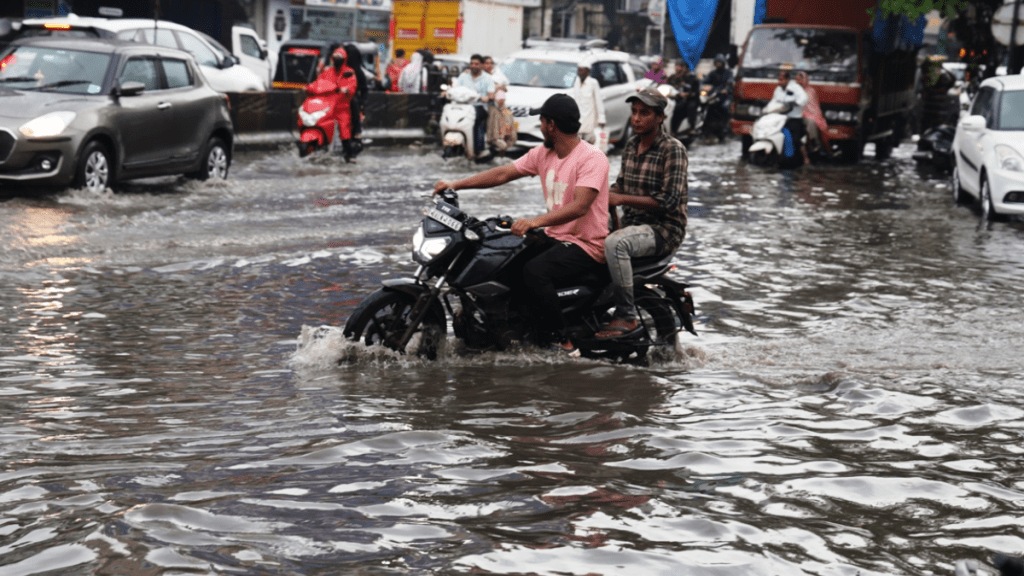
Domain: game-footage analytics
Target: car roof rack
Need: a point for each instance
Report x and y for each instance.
(580, 43)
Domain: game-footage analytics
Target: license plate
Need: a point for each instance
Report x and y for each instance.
(445, 219)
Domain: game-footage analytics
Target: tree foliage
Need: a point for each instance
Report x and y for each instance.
(914, 8)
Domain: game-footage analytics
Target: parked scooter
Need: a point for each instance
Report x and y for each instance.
(472, 270)
(935, 147)
(771, 144)
(316, 121)
(457, 119)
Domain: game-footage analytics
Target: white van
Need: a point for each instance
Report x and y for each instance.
(218, 64)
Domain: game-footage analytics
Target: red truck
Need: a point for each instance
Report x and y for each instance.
(865, 85)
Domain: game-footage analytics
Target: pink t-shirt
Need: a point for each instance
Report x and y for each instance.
(585, 166)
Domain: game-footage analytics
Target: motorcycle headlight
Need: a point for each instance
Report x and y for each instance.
(426, 249)
(47, 125)
(1009, 159)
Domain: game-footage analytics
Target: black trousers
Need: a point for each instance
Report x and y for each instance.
(557, 265)
(684, 109)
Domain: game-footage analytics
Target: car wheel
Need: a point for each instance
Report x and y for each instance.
(959, 194)
(988, 209)
(95, 169)
(216, 161)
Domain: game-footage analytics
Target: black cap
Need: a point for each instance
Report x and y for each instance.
(651, 97)
(563, 111)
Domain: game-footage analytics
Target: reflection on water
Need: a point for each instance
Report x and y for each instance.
(851, 406)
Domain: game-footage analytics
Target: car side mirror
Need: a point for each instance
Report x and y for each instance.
(129, 88)
(228, 62)
(973, 123)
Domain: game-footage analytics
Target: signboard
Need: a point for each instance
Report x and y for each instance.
(1002, 24)
(656, 12)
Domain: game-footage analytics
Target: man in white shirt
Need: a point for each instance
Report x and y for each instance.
(474, 77)
(587, 93)
(792, 97)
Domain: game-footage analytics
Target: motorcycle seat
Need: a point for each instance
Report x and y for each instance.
(647, 264)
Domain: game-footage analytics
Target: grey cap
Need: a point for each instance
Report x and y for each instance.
(650, 97)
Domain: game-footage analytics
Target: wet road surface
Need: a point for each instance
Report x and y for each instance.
(175, 397)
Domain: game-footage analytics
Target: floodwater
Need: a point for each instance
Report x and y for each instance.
(175, 397)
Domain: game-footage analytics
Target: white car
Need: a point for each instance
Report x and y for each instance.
(989, 149)
(548, 68)
(218, 65)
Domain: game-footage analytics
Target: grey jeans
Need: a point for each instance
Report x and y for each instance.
(619, 247)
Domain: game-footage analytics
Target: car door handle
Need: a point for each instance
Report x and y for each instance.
(163, 105)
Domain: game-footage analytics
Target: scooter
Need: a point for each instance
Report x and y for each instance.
(472, 270)
(935, 147)
(316, 123)
(771, 144)
(457, 119)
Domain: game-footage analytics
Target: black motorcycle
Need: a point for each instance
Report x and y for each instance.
(471, 270)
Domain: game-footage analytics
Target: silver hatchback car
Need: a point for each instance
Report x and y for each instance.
(89, 112)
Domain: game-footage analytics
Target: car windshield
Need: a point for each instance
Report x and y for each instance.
(51, 69)
(540, 73)
(1011, 110)
(826, 55)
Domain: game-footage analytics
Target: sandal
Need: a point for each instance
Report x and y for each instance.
(617, 328)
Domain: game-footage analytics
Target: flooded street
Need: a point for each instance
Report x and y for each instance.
(174, 399)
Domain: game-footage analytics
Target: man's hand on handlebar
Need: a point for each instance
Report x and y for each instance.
(523, 225)
(442, 185)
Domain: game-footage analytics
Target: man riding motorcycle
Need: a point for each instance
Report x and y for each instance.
(721, 81)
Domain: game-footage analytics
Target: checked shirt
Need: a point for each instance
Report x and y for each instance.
(660, 173)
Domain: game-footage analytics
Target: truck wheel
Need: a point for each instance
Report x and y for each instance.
(883, 148)
(850, 151)
(745, 144)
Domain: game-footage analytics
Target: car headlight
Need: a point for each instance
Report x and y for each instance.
(1009, 159)
(47, 125)
(426, 249)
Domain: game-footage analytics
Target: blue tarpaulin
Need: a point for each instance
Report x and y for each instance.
(760, 11)
(691, 23)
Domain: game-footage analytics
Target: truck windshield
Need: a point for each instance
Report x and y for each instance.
(540, 73)
(826, 55)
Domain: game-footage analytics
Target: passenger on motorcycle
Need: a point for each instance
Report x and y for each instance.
(574, 177)
(687, 96)
(474, 77)
(792, 98)
(651, 188)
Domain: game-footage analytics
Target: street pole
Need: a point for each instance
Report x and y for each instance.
(1013, 66)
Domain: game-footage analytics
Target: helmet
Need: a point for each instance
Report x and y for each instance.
(339, 53)
(720, 58)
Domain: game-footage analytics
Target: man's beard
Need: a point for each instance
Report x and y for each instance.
(549, 143)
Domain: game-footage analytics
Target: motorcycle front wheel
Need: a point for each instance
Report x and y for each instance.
(384, 316)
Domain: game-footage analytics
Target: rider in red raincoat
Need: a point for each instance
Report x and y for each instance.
(339, 81)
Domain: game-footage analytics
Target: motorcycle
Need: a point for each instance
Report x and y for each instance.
(471, 270)
(770, 143)
(457, 119)
(716, 113)
(316, 123)
(707, 100)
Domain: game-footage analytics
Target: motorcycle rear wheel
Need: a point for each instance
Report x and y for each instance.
(383, 317)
